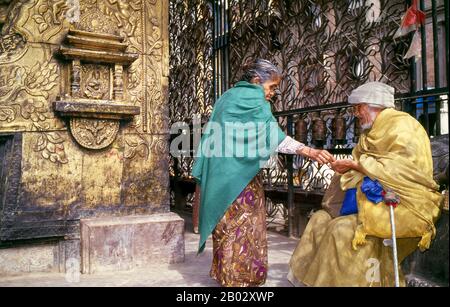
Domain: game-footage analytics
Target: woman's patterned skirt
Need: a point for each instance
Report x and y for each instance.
(240, 240)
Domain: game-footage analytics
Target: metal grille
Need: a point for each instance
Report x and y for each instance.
(221, 47)
(191, 89)
(325, 50)
(191, 72)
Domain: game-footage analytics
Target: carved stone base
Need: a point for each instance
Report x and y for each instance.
(125, 243)
(28, 259)
(57, 256)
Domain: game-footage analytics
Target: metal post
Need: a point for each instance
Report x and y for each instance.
(290, 178)
(412, 69)
(214, 33)
(437, 77)
(437, 80)
(426, 115)
(424, 50)
(227, 44)
(447, 54)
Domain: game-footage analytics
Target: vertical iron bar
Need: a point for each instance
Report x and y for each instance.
(290, 178)
(222, 37)
(447, 57)
(195, 105)
(219, 21)
(414, 108)
(437, 105)
(214, 50)
(219, 72)
(413, 67)
(437, 81)
(218, 76)
(426, 116)
(413, 75)
(227, 45)
(424, 50)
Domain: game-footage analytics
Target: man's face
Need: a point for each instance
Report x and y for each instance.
(364, 114)
(270, 87)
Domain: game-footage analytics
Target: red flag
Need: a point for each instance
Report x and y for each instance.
(411, 21)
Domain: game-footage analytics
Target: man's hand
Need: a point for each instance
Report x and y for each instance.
(343, 166)
(321, 156)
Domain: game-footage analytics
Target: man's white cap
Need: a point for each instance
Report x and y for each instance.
(373, 93)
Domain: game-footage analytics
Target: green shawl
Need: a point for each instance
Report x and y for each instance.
(222, 178)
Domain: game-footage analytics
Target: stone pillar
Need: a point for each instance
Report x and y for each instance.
(125, 243)
(118, 82)
(76, 78)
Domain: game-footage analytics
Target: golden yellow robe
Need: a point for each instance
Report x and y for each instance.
(348, 250)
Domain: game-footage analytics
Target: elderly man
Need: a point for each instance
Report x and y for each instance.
(393, 155)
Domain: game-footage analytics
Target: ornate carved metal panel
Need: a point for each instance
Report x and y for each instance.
(324, 48)
(191, 68)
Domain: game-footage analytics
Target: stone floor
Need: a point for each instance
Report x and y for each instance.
(193, 272)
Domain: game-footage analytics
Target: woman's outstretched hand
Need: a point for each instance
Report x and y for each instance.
(319, 155)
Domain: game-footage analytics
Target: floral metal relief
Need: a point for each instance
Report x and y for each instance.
(94, 133)
(50, 145)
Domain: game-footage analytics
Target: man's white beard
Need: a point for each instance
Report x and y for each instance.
(369, 125)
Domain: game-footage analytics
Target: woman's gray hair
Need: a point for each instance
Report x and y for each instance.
(260, 68)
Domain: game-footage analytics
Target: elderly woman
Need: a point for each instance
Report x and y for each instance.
(232, 207)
